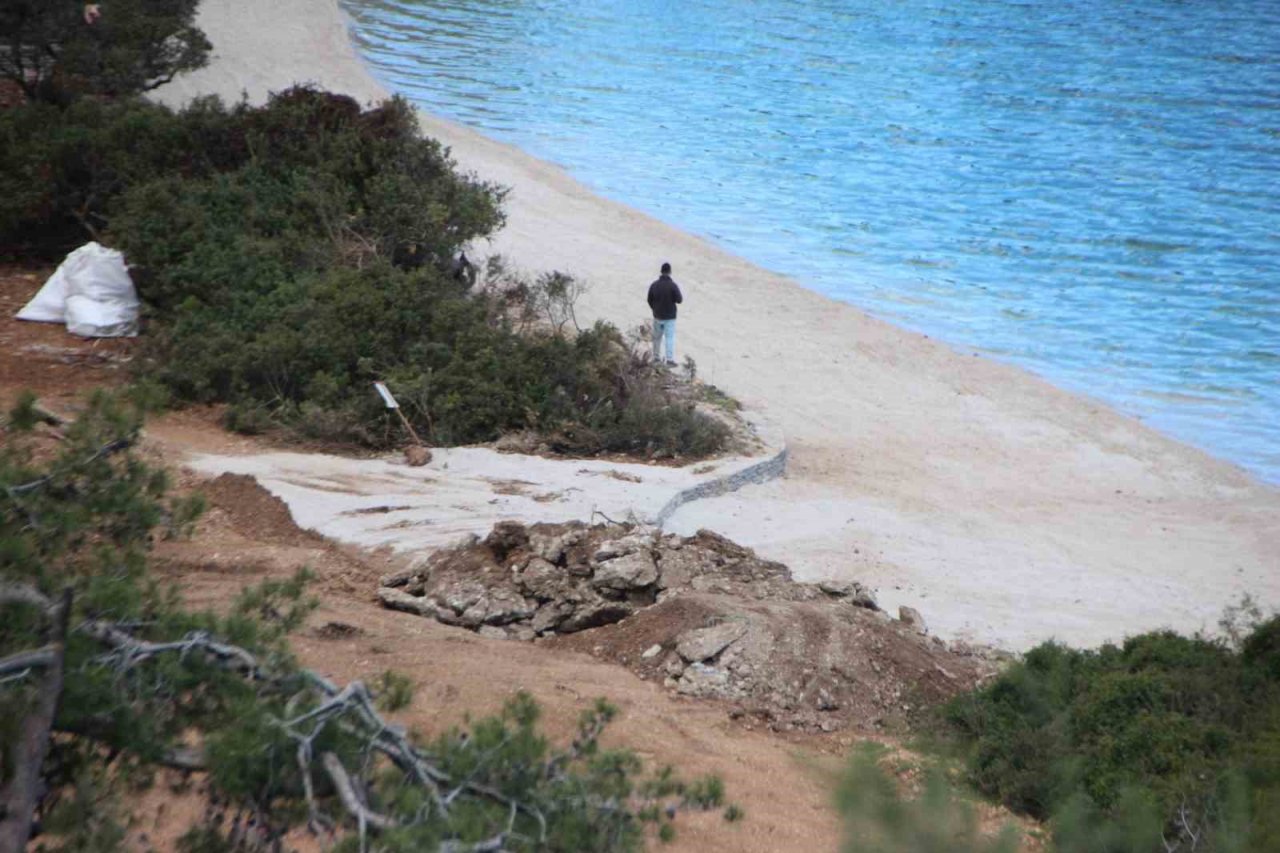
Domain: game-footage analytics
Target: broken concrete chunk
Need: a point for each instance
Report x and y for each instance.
(400, 600)
(652, 652)
(853, 591)
(551, 547)
(550, 616)
(542, 579)
(700, 644)
(633, 571)
(911, 617)
(702, 680)
(615, 548)
(463, 542)
(595, 615)
(461, 596)
(499, 607)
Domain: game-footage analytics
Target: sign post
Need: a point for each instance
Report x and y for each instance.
(385, 393)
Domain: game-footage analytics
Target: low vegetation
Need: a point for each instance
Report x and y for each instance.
(1160, 744)
(879, 817)
(105, 677)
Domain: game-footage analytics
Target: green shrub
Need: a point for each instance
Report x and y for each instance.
(879, 819)
(1164, 737)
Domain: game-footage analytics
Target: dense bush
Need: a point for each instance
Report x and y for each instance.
(56, 53)
(105, 677)
(290, 254)
(1163, 739)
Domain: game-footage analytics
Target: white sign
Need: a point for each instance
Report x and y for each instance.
(386, 396)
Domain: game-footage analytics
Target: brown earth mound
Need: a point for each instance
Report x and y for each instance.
(706, 617)
(254, 512)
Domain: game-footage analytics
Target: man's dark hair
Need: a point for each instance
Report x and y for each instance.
(666, 269)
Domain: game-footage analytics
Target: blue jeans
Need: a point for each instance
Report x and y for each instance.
(664, 330)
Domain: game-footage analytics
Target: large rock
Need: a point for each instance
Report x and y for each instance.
(543, 579)
(460, 596)
(633, 571)
(703, 643)
(550, 616)
(593, 615)
(702, 680)
(853, 591)
(911, 617)
(611, 549)
(398, 599)
(552, 546)
(498, 607)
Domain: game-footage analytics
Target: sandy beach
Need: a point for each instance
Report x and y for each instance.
(1004, 509)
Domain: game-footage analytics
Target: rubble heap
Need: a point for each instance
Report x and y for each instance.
(703, 615)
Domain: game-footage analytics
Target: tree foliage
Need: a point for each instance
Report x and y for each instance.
(56, 53)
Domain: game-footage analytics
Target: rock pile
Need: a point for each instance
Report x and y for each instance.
(706, 617)
(547, 579)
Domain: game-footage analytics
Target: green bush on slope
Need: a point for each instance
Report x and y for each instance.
(1162, 739)
(878, 818)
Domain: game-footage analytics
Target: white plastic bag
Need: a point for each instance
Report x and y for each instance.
(92, 292)
(49, 305)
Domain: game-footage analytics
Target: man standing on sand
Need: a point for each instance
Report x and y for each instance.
(664, 296)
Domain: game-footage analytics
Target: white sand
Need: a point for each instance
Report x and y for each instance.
(1004, 509)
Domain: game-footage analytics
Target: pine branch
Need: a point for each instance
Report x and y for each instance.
(106, 450)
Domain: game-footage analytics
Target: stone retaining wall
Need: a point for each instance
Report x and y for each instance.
(766, 468)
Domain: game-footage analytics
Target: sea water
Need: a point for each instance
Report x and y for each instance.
(1086, 188)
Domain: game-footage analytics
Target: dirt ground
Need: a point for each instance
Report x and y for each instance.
(783, 781)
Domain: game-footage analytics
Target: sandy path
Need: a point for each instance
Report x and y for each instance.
(1005, 509)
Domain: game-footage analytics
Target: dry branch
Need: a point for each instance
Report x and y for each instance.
(106, 450)
(351, 800)
(22, 790)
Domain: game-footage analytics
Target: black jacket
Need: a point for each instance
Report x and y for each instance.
(664, 296)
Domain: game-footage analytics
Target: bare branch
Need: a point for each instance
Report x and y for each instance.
(17, 593)
(128, 651)
(106, 450)
(350, 799)
(42, 657)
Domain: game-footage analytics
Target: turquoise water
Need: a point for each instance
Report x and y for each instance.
(1087, 189)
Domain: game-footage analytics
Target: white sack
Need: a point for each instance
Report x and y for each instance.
(48, 306)
(91, 290)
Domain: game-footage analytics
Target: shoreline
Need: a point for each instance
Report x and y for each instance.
(1007, 510)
